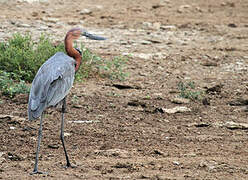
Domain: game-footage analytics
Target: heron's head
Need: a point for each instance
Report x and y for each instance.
(75, 33)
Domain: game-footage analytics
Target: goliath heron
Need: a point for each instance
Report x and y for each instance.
(53, 82)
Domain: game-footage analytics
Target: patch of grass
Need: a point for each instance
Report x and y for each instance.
(188, 91)
(9, 87)
(21, 57)
(94, 64)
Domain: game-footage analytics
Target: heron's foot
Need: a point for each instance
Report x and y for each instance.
(37, 172)
(68, 165)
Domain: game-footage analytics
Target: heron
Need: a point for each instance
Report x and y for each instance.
(52, 84)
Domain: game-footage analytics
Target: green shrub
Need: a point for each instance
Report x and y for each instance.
(94, 64)
(187, 90)
(21, 57)
(10, 88)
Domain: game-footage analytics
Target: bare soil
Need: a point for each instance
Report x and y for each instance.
(127, 133)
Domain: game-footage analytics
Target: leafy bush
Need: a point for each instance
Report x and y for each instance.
(93, 64)
(10, 88)
(187, 90)
(21, 57)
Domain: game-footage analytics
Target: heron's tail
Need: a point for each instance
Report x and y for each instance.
(35, 113)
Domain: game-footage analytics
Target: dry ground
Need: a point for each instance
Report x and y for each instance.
(126, 133)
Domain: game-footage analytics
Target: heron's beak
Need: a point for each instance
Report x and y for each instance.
(91, 36)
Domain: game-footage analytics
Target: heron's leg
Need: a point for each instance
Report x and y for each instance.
(35, 171)
(68, 164)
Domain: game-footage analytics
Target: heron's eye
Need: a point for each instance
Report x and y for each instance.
(80, 52)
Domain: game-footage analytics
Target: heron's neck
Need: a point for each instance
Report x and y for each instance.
(72, 52)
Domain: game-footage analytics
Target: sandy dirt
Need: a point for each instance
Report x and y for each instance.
(132, 133)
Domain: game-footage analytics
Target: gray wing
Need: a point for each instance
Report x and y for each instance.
(51, 84)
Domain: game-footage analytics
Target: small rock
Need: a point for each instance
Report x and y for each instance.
(53, 146)
(67, 134)
(50, 19)
(155, 40)
(156, 25)
(85, 11)
(232, 25)
(239, 102)
(77, 106)
(143, 56)
(179, 100)
(113, 152)
(178, 109)
(159, 152)
(171, 27)
(35, 14)
(86, 121)
(23, 25)
(176, 163)
(144, 42)
(1, 154)
(215, 89)
(209, 63)
(206, 101)
(234, 125)
(14, 157)
(11, 127)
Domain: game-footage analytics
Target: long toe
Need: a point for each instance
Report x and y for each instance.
(70, 166)
(37, 172)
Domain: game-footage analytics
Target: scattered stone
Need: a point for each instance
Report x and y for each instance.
(77, 106)
(23, 25)
(34, 14)
(209, 63)
(123, 165)
(242, 109)
(136, 103)
(168, 28)
(232, 25)
(159, 152)
(4, 117)
(11, 128)
(215, 89)
(85, 12)
(180, 100)
(206, 101)
(202, 124)
(156, 25)
(157, 6)
(53, 146)
(31, 1)
(67, 134)
(239, 102)
(176, 163)
(50, 19)
(14, 157)
(86, 121)
(178, 109)
(209, 165)
(113, 152)
(154, 40)
(144, 42)
(143, 55)
(11, 119)
(125, 86)
(233, 125)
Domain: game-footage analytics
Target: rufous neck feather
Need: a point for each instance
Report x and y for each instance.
(72, 52)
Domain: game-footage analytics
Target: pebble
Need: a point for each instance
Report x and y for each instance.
(178, 109)
(179, 100)
(85, 11)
